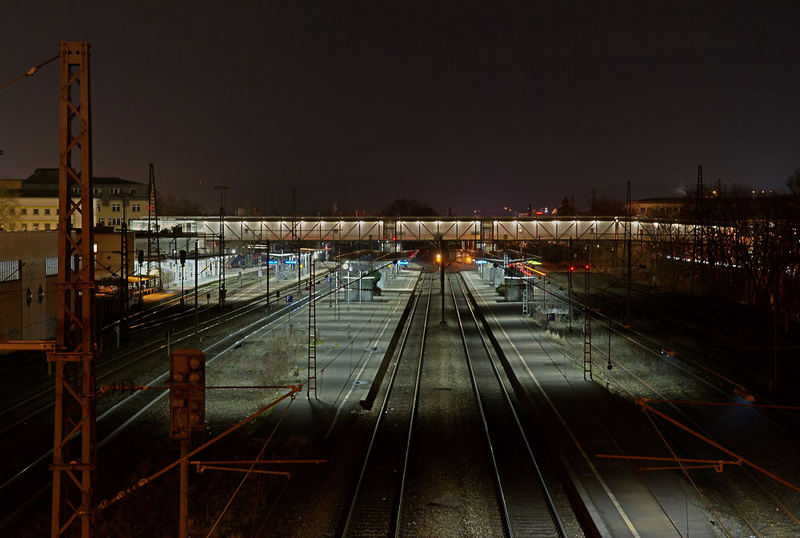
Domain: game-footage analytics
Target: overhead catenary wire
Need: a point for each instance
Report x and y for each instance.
(29, 73)
(252, 466)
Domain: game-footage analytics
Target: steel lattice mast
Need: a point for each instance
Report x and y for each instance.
(312, 331)
(152, 225)
(75, 413)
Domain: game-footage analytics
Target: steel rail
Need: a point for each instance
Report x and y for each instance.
(558, 524)
(398, 509)
(382, 411)
(136, 354)
(238, 337)
(484, 422)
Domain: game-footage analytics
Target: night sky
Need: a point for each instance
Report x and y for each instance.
(459, 104)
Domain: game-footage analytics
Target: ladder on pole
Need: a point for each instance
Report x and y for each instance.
(312, 331)
(153, 247)
(525, 310)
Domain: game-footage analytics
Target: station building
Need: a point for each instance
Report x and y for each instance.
(31, 204)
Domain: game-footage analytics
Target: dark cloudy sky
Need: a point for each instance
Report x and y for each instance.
(460, 104)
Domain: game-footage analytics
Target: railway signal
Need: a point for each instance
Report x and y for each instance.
(187, 393)
(183, 263)
(187, 414)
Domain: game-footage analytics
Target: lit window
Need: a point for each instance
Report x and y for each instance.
(35, 226)
(23, 226)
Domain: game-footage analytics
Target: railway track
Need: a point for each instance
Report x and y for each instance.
(119, 413)
(381, 503)
(528, 508)
(150, 346)
(377, 501)
(635, 377)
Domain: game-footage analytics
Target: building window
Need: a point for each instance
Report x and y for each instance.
(35, 210)
(56, 211)
(23, 226)
(115, 190)
(115, 208)
(132, 192)
(35, 226)
(46, 225)
(47, 211)
(136, 207)
(76, 190)
(23, 211)
(96, 190)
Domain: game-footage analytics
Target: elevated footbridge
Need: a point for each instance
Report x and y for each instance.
(481, 230)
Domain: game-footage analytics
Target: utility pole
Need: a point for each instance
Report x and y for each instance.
(196, 314)
(123, 270)
(628, 234)
(268, 269)
(571, 268)
(75, 421)
(312, 332)
(295, 226)
(697, 245)
(221, 286)
(587, 327)
(153, 247)
(441, 276)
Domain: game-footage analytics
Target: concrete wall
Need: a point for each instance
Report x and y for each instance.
(25, 316)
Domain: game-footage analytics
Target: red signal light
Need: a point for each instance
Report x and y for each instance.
(587, 266)
(571, 268)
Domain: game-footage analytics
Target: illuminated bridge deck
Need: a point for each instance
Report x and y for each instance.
(332, 229)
